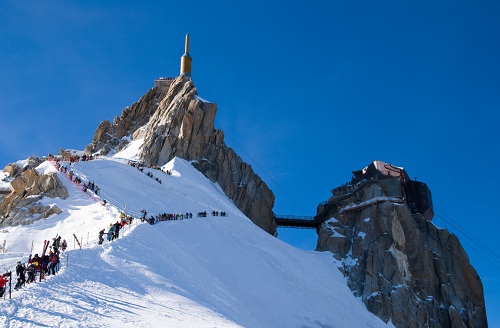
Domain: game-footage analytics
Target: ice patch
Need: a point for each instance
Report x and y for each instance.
(332, 220)
(199, 98)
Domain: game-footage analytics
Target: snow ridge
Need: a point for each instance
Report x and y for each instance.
(201, 272)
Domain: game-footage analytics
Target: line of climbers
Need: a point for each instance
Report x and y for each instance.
(140, 167)
(175, 216)
(45, 265)
(152, 219)
(73, 159)
(114, 229)
(50, 264)
(77, 158)
(76, 179)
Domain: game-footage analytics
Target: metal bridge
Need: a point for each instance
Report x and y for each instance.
(296, 221)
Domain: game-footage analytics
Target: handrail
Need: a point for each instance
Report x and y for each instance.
(296, 217)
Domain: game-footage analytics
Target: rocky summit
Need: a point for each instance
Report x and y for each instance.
(27, 188)
(172, 120)
(403, 267)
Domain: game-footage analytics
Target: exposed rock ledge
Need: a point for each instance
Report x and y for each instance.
(22, 205)
(402, 266)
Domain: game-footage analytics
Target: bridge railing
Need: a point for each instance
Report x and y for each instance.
(296, 217)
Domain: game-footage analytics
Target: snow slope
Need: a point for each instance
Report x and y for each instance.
(201, 272)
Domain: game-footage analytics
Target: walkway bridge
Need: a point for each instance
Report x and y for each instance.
(295, 221)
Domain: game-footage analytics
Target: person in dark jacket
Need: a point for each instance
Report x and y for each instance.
(30, 271)
(21, 277)
(117, 226)
(101, 237)
(45, 263)
(56, 243)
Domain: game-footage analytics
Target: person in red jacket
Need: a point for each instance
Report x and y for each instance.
(3, 281)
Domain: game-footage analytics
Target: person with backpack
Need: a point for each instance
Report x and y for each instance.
(37, 263)
(55, 244)
(21, 277)
(30, 270)
(54, 261)
(45, 262)
(64, 245)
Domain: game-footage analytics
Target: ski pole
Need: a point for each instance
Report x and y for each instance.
(10, 285)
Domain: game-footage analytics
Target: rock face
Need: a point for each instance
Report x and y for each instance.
(403, 267)
(110, 136)
(176, 122)
(22, 205)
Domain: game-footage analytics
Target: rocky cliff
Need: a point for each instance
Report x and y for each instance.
(176, 122)
(401, 265)
(22, 205)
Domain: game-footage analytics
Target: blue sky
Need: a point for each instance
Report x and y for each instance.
(306, 91)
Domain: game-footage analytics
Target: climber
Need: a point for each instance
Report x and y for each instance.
(101, 237)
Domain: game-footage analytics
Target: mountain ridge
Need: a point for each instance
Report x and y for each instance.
(178, 123)
(395, 259)
(201, 272)
(174, 121)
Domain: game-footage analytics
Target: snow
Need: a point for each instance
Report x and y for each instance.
(201, 272)
(199, 98)
(332, 220)
(4, 181)
(336, 234)
(46, 168)
(402, 261)
(21, 163)
(131, 151)
(368, 202)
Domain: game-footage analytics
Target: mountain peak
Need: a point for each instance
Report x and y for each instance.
(395, 259)
(176, 122)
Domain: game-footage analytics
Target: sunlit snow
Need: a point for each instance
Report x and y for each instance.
(201, 272)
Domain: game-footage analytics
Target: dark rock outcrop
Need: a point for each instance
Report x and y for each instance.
(402, 266)
(176, 122)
